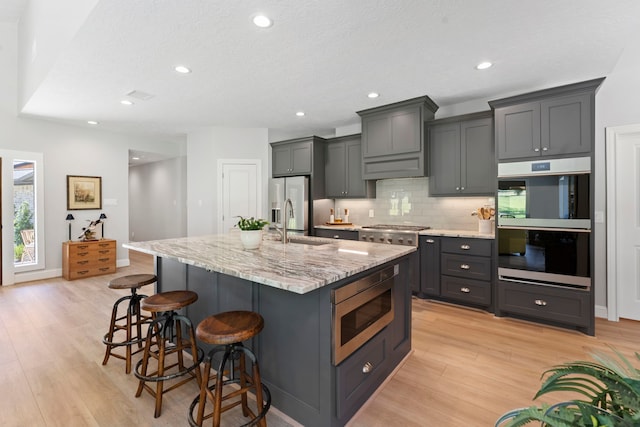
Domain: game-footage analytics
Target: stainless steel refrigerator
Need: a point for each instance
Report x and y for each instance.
(295, 188)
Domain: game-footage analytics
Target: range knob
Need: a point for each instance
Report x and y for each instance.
(410, 241)
(371, 238)
(389, 240)
(400, 240)
(382, 239)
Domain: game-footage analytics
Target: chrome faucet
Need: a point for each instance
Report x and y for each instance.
(285, 220)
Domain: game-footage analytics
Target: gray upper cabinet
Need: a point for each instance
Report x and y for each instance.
(553, 122)
(393, 139)
(343, 169)
(462, 156)
(292, 158)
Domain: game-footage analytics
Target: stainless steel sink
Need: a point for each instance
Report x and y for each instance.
(308, 241)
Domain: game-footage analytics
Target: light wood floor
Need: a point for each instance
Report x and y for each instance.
(467, 367)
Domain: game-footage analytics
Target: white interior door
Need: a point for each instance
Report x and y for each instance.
(240, 194)
(623, 225)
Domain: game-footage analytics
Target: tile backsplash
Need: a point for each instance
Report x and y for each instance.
(407, 201)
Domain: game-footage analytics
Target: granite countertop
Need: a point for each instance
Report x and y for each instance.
(294, 267)
(457, 233)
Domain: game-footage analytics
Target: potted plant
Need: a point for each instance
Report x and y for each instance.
(609, 391)
(251, 231)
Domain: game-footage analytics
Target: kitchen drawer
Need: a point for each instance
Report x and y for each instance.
(77, 273)
(337, 234)
(360, 374)
(466, 290)
(567, 306)
(463, 246)
(472, 267)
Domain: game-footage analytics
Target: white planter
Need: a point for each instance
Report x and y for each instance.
(251, 239)
(485, 226)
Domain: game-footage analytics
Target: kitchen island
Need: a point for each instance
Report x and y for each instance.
(291, 287)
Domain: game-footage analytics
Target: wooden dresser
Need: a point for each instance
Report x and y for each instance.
(86, 259)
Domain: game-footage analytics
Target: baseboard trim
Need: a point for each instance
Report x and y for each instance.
(30, 276)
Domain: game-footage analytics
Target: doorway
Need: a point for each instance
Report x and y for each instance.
(623, 222)
(239, 191)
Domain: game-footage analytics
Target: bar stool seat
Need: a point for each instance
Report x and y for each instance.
(164, 338)
(227, 331)
(133, 319)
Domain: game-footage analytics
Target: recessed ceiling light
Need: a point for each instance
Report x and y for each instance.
(483, 65)
(92, 122)
(262, 21)
(126, 102)
(373, 95)
(182, 69)
(300, 113)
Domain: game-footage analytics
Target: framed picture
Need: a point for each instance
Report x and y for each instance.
(84, 192)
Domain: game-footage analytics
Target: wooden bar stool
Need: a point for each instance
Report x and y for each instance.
(164, 338)
(227, 331)
(133, 318)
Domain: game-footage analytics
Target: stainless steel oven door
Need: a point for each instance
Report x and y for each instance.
(358, 318)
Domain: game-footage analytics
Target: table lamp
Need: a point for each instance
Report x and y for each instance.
(69, 219)
(102, 218)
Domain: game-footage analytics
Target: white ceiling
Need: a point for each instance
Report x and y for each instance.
(322, 57)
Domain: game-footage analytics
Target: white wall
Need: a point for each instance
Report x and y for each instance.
(204, 148)
(67, 150)
(158, 200)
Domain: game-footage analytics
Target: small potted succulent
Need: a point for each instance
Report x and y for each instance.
(251, 231)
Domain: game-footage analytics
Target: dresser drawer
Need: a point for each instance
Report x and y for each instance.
(543, 302)
(86, 259)
(462, 246)
(466, 290)
(472, 267)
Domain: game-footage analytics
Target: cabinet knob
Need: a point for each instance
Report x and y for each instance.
(367, 367)
(457, 188)
(465, 290)
(465, 247)
(464, 266)
(536, 149)
(430, 241)
(540, 302)
(461, 188)
(336, 236)
(545, 148)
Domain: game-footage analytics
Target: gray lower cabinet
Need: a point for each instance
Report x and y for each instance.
(393, 139)
(336, 234)
(560, 306)
(294, 348)
(457, 269)
(343, 169)
(462, 156)
(429, 283)
(553, 122)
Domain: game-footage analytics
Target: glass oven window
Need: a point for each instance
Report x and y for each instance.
(358, 319)
(545, 197)
(557, 252)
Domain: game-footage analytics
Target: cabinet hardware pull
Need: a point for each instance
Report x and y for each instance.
(465, 266)
(83, 253)
(367, 367)
(462, 188)
(82, 262)
(536, 149)
(336, 237)
(540, 302)
(544, 148)
(457, 188)
(465, 290)
(430, 241)
(465, 247)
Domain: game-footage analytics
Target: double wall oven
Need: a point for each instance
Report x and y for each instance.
(544, 222)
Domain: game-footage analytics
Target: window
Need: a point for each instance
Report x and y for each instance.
(24, 213)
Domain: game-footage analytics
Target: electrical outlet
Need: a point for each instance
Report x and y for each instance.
(371, 213)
